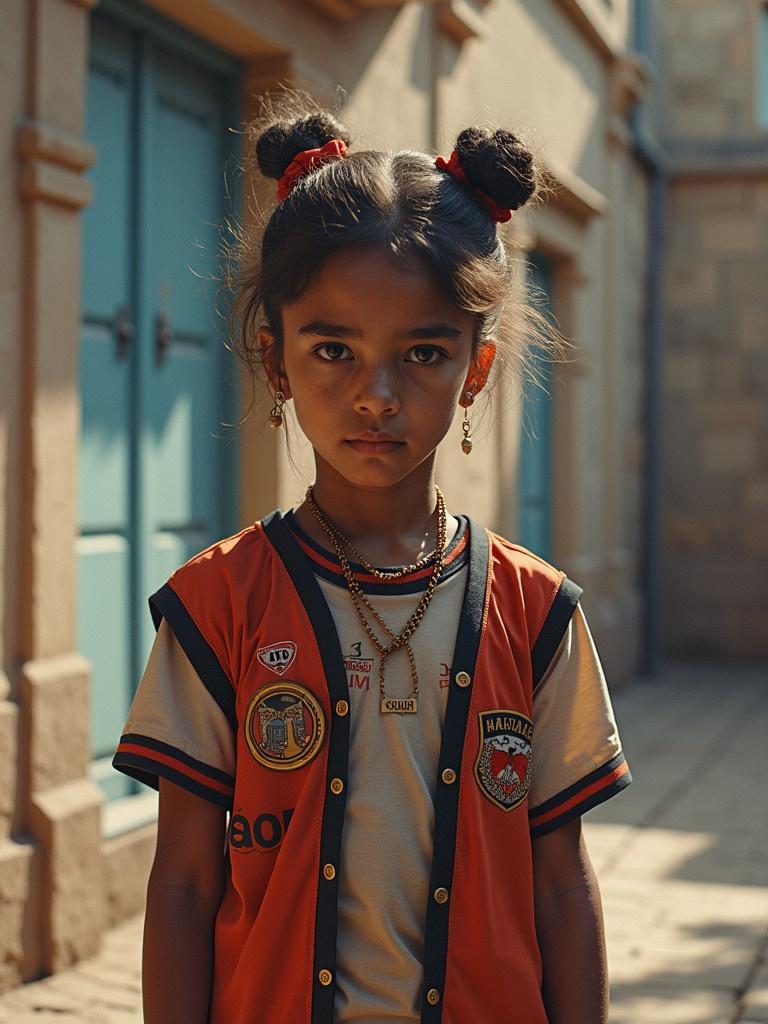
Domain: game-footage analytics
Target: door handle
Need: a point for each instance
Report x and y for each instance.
(163, 337)
(124, 332)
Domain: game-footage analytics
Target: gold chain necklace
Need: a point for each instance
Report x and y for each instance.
(372, 570)
(401, 705)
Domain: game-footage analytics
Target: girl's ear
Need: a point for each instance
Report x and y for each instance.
(478, 372)
(275, 373)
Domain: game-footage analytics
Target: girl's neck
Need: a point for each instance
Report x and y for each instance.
(388, 525)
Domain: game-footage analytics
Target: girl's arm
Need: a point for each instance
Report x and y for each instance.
(183, 895)
(569, 923)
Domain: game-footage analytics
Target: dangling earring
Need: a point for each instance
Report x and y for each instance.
(276, 415)
(466, 442)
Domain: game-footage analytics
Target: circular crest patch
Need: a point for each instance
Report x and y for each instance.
(503, 765)
(284, 726)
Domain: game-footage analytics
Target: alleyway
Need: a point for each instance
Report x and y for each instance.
(681, 856)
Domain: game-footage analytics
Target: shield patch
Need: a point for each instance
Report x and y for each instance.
(277, 657)
(503, 765)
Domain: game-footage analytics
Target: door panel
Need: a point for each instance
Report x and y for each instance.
(104, 546)
(154, 477)
(181, 379)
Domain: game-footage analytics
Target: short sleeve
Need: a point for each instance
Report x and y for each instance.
(578, 761)
(175, 728)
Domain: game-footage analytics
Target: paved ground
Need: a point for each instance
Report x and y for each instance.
(682, 856)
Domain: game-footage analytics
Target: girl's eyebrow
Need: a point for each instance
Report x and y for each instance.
(328, 330)
(438, 330)
(429, 331)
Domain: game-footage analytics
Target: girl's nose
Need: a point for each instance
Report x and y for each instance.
(377, 394)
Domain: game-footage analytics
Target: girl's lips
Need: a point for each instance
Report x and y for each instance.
(374, 447)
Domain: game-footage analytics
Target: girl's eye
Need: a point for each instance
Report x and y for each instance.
(332, 351)
(424, 355)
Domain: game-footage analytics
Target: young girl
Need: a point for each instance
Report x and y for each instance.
(404, 752)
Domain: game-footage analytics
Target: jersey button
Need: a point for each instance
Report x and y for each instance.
(463, 678)
(329, 871)
(337, 785)
(342, 708)
(324, 977)
(441, 895)
(449, 775)
(433, 997)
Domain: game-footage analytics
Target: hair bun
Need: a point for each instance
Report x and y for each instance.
(498, 163)
(279, 143)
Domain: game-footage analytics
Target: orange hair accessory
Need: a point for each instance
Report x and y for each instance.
(453, 166)
(306, 161)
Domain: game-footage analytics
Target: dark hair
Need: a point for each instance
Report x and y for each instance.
(397, 202)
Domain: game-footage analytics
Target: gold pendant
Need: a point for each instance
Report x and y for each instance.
(399, 705)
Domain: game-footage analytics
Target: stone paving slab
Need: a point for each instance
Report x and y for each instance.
(680, 856)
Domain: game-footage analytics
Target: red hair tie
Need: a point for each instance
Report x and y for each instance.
(306, 161)
(453, 167)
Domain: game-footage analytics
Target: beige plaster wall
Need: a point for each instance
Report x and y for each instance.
(18, 864)
(533, 70)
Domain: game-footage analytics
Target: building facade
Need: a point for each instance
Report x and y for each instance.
(118, 397)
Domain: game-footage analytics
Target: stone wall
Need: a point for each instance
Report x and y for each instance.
(709, 51)
(716, 419)
(715, 525)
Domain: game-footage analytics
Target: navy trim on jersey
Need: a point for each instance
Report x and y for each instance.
(409, 586)
(166, 603)
(148, 770)
(451, 752)
(589, 801)
(553, 629)
(308, 589)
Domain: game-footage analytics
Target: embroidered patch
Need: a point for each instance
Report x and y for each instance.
(277, 657)
(284, 726)
(503, 765)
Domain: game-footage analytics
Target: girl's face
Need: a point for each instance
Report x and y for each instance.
(376, 358)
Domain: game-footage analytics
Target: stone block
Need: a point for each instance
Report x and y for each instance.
(756, 493)
(16, 874)
(759, 197)
(715, 18)
(739, 49)
(732, 235)
(697, 200)
(127, 862)
(743, 280)
(748, 414)
(684, 373)
(753, 324)
(707, 328)
(66, 820)
(754, 538)
(699, 121)
(688, 533)
(56, 695)
(687, 58)
(742, 630)
(725, 375)
(9, 714)
(691, 284)
(756, 372)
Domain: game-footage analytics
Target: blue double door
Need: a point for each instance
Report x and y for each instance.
(157, 465)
